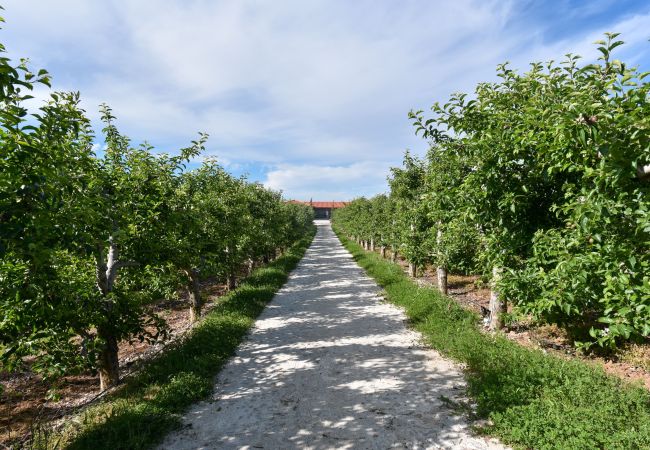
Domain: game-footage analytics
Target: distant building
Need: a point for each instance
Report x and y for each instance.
(322, 210)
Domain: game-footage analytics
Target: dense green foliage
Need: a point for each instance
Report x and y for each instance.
(89, 237)
(533, 399)
(542, 179)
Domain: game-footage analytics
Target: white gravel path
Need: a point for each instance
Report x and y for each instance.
(329, 365)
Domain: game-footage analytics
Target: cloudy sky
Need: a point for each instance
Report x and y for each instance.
(307, 96)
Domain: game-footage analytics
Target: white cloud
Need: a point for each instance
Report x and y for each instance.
(320, 87)
(319, 182)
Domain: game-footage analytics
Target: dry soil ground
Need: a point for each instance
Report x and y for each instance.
(330, 365)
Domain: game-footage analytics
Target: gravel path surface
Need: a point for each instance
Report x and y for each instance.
(329, 365)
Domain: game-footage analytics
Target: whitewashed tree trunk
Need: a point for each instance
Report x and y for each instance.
(105, 271)
(382, 251)
(442, 269)
(442, 280)
(105, 275)
(643, 171)
(194, 292)
(497, 305)
(413, 270)
(372, 244)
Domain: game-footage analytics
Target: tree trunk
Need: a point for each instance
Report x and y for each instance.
(105, 275)
(194, 291)
(413, 270)
(441, 270)
(393, 254)
(497, 305)
(382, 251)
(442, 280)
(250, 265)
(412, 267)
(109, 365)
(265, 259)
(232, 281)
(372, 244)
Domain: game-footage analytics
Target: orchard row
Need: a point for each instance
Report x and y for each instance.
(539, 181)
(93, 230)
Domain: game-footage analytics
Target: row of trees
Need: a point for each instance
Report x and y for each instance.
(88, 237)
(540, 181)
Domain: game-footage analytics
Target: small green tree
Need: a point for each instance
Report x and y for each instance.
(411, 218)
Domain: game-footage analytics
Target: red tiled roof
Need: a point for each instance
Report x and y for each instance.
(321, 204)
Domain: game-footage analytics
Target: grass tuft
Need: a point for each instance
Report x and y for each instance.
(534, 400)
(149, 406)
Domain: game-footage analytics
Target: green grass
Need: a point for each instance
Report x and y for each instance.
(140, 414)
(534, 400)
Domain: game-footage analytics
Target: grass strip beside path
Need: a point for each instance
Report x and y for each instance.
(140, 414)
(533, 400)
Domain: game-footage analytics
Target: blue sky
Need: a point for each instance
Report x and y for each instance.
(307, 96)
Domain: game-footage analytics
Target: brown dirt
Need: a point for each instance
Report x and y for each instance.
(631, 363)
(24, 399)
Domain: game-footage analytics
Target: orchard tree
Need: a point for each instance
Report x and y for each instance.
(544, 176)
(129, 216)
(88, 241)
(453, 239)
(412, 224)
(46, 164)
(381, 221)
(502, 137)
(300, 221)
(593, 270)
